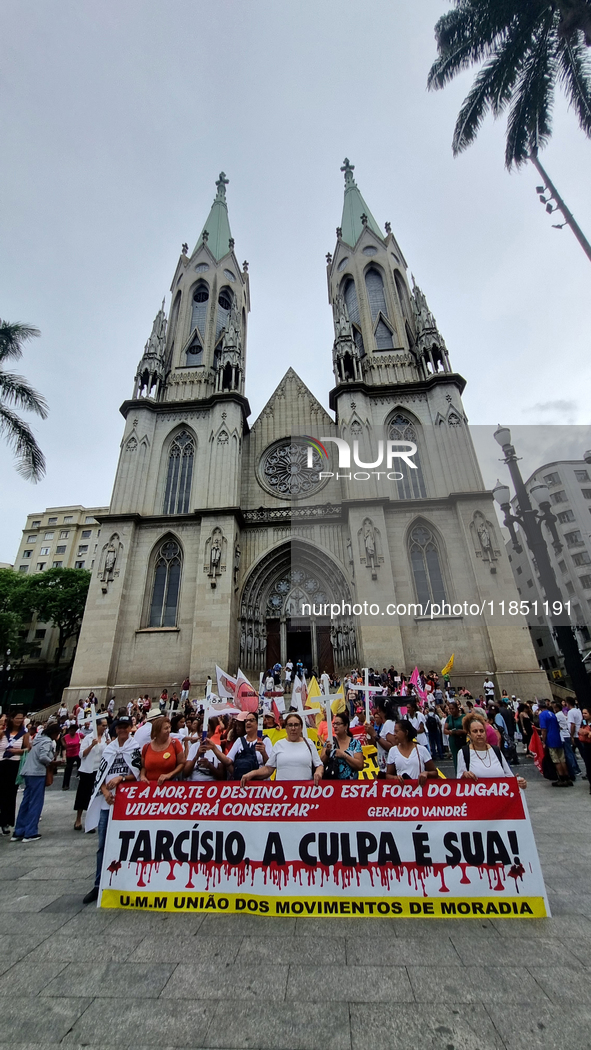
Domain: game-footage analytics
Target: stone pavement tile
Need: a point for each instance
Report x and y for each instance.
(271, 950)
(29, 978)
(361, 927)
(432, 929)
(34, 1019)
(147, 923)
(207, 979)
(428, 1027)
(409, 952)
(14, 947)
(558, 927)
(579, 947)
(153, 1022)
(54, 887)
(77, 947)
(111, 980)
(24, 902)
(487, 984)
(247, 926)
(71, 903)
(177, 947)
(281, 1026)
(37, 924)
(91, 921)
(12, 868)
(519, 952)
(561, 984)
(65, 873)
(355, 984)
(543, 1027)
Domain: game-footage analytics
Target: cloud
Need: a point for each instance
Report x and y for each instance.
(554, 411)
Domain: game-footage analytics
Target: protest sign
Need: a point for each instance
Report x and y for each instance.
(363, 848)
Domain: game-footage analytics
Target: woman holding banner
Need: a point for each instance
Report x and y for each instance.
(346, 750)
(478, 759)
(408, 760)
(294, 758)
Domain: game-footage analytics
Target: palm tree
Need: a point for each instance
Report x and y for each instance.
(15, 391)
(524, 47)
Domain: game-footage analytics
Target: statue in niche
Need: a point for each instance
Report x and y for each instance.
(237, 556)
(108, 570)
(263, 640)
(369, 541)
(342, 322)
(484, 536)
(215, 556)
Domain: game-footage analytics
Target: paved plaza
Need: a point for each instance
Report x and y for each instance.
(81, 977)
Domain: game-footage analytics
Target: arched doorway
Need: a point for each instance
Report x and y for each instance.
(285, 611)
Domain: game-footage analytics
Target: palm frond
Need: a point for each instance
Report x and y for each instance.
(15, 390)
(12, 337)
(19, 436)
(530, 119)
(575, 76)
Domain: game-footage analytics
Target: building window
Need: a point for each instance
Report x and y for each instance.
(200, 300)
(412, 485)
(573, 538)
(179, 474)
(165, 590)
(426, 568)
(582, 559)
(35, 524)
(60, 549)
(48, 535)
(350, 296)
(586, 493)
(519, 570)
(44, 550)
(540, 641)
(79, 565)
(40, 566)
(585, 582)
(83, 548)
(23, 568)
(570, 587)
(40, 632)
(377, 304)
(26, 554)
(581, 475)
(552, 479)
(57, 564)
(530, 583)
(86, 534)
(52, 521)
(68, 517)
(89, 520)
(31, 539)
(565, 516)
(64, 534)
(224, 307)
(562, 566)
(558, 497)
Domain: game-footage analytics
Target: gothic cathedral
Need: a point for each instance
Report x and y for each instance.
(226, 543)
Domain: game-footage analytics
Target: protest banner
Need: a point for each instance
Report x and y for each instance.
(358, 848)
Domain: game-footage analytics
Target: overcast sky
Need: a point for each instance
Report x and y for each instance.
(116, 118)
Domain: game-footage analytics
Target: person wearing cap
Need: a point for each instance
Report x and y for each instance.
(121, 762)
(248, 751)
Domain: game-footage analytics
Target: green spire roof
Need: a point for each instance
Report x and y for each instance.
(354, 207)
(216, 232)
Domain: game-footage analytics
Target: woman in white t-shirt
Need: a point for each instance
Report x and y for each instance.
(408, 760)
(417, 719)
(479, 759)
(91, 752)
(383, 735)
(294, 758)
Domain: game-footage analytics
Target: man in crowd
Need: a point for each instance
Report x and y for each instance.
(551, 738)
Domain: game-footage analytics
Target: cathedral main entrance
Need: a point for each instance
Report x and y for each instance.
(283, 616)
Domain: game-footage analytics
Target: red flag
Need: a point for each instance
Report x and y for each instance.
(536, 748)
(246, 697)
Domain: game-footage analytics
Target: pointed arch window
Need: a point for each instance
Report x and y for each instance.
(426, 566)
(377, 304)
(350, 296)
(166, 585)
(199, 313)
(403, 295)
(179, 474)
(412, 486)
(194, 352)
(224, 307)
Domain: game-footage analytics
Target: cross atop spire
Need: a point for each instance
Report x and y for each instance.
(348, 169)
(221, 186)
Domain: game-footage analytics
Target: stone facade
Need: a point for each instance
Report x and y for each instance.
(227, 543)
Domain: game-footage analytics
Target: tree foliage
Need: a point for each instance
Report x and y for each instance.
(524, 48)
(15, 392)
(58, 596)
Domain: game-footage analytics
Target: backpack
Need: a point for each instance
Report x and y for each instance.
(466, 754)
(246, 760)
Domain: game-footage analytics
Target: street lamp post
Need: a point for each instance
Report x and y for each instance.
(531, 523)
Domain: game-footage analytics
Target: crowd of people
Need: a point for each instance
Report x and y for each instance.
(412, 725)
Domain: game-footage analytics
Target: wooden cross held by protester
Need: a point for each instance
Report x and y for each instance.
(261, 708)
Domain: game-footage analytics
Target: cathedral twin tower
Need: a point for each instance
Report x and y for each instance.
(223, 544)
